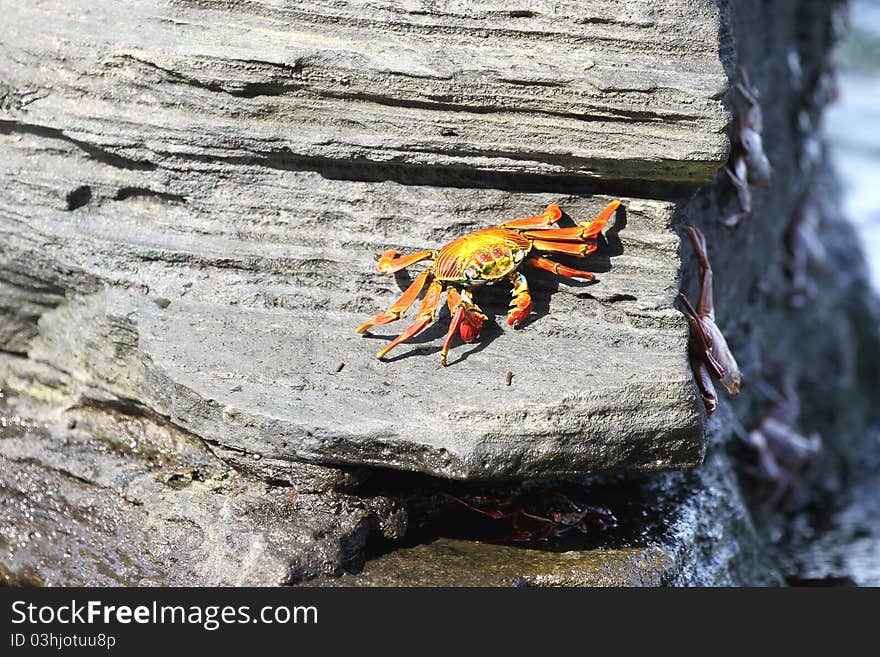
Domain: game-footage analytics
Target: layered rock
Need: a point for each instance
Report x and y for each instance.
(194, 227)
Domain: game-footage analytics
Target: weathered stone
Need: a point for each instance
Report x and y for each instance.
(602, 90)
(124, 499)
(178, 235)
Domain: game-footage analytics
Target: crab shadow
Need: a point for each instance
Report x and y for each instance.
(437, 332)
(494, 299)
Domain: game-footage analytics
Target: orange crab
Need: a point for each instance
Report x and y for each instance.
(481, 258)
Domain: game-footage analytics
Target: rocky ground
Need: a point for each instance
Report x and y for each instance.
(189, 238)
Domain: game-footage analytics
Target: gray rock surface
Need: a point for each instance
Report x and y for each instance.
(602, 90)
(108, 496)
(194, 227)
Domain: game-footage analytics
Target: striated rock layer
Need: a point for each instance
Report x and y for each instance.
(194, 199)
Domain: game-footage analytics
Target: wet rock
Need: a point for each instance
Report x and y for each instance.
(455, 562)
(673, 530)
(125, 500)
(836, 541)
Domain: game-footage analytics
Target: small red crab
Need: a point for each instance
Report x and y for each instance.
(750, 163)
(782, 451)
(806, 254)
(540, 518)
(710, 355)
(481, 258)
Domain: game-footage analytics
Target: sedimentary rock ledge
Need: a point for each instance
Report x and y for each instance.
(194, 199)
(602, 90)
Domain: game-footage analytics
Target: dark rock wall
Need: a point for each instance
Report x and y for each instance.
(829, 347)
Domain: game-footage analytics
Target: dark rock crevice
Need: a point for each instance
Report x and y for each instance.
(92, 150)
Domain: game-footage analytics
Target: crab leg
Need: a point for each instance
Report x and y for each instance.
(707, 389)
(551, 265)
(454, 324)
(521, 304)
(573, 234)
(551, 215)
(581, 249)
(457, 318)
(425, 316)
(578, 240)
(704, 340)
(594, 227)
(399, 307)
(390, 263)
(467, 319)
(739, 178)
(583, 231)
(744, 86)
(706, 305)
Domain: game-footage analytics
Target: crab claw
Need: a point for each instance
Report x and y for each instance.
(520, 309)
(466, 320)
(521, 304)
(471, 325)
